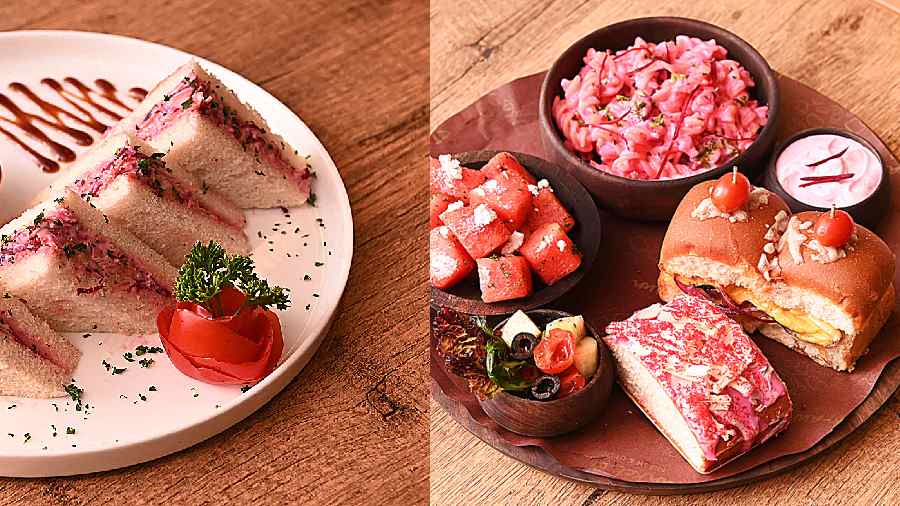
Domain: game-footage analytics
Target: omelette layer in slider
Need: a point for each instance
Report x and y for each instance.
(770, 274)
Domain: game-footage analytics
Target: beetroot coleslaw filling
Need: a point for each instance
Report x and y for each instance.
(194, 95)
(59, 230)
(694, 367)
(659, 111)
(149, 170)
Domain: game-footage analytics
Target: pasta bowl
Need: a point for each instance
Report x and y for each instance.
(654, 199)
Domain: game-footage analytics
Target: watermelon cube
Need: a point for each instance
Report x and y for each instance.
(550, 253)
(504, 278)
(439, 203)
(449, 261)
(507, 195)
(448, 177)
(505, 162)
(546, 208)
(478, 229)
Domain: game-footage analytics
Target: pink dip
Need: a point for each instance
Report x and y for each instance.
(791, 166)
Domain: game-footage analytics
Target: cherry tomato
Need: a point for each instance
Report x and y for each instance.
(570, 382)
(731, 192)
(834, 228)
(556, 352)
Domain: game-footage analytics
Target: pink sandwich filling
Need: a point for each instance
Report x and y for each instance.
(193, 95)
(36, 344)
(150, 171)
(718, 379)
(58, 230)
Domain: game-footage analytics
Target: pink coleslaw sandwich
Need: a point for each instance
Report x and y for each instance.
(80, 271)
(203, 126)
(700, 379)
(35, 361)
(161, 203)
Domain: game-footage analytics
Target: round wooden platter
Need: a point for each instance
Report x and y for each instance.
(536, 457)
(508, 118)
(466, 296)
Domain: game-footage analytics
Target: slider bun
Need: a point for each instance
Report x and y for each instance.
(856, 283)
(717, 249)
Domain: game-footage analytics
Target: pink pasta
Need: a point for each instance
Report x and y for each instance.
(659, 111)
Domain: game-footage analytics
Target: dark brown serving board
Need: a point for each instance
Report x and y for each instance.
(624, 280)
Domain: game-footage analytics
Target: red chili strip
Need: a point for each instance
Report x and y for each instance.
(684, 108)
(832, 157)
(633, 50)
(824, 179)
(642, 67)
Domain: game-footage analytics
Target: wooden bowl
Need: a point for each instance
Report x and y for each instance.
(559, 416)
(867, 212)
(465, 297)
(644, 199)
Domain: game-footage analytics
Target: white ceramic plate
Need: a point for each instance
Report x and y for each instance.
(119, 427)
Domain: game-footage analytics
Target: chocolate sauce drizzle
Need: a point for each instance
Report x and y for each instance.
(73, 117)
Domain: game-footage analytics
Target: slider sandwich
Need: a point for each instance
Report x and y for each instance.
(81, 272)
(202, 126)
(35, 361)
(817, 283)
(161, 203)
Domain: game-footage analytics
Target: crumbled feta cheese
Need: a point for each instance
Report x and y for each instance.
(543, 183)
(450, 167)
(516, 239)
(444, 231)
(484, 215)
(533, 189)
(454, 206)
(478, 191)
(561, 245)
(490, 185)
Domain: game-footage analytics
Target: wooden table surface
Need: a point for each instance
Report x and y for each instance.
(352, 427)
(847, 49)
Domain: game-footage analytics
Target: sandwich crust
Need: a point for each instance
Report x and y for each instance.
(856, 283)
(735, 245)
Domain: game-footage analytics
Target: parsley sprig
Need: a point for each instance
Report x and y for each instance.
(208, 269)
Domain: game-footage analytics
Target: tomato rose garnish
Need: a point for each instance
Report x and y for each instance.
(219, 330)
(556, 352)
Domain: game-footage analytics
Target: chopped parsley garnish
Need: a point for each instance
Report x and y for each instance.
(245, 388)
(146, 362)
(141, 349)
(27, 437)
(312, 199)
(187, 103)
(70, 430)
(119, 370)
(75, 393)
(39, 218)
(143, 397)
(208, 269)
(658, 121)
(73, 249)
(152, 388)
(128, 356)
(59, 200)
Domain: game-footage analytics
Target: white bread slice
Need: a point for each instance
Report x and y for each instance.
(644, 341)
(108, 298)
(35, 361)
(143, 202)
(214, 155)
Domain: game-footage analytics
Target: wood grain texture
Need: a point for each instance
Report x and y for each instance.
(845, 49)
(352, 427)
